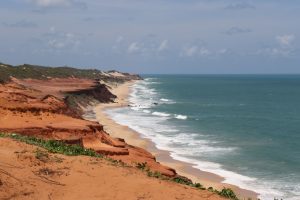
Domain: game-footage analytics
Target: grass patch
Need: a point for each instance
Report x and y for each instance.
(53, 146)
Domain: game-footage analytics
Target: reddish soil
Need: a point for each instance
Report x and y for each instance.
(24, 176)
(38, 108)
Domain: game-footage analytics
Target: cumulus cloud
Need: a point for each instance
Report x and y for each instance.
(49, 3)
(189, 51)
(147, 47)
(163, 45)
(223, 51)
(58, 3)
(284, 47)
(20, 24)
(134, 48)
(240, 6)
(58, 40)
(285, 40)
(237, 30)
(195, 50)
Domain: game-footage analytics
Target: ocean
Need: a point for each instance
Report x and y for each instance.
(245, 128)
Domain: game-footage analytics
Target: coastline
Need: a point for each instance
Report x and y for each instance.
(134, 138)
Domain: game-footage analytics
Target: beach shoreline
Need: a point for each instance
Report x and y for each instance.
(132, 137)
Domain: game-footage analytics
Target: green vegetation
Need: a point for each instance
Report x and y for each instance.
(41, 72)
(228, 193)
(182, 180)
(53, 146)
(225, 192)
(141, 166)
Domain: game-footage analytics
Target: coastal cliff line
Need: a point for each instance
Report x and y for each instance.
(49, 104)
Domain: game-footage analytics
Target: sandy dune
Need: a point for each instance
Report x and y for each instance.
(23, 176)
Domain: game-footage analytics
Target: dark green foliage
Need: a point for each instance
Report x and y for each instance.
(228, 193)
(141, 166)
(198, 185)
(182, 180)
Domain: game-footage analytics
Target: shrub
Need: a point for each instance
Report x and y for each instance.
(228, 193)
(182, 180)
(141, 166)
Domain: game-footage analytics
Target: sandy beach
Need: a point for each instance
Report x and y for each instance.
(132, 137)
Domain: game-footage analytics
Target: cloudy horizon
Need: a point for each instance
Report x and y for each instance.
(160, 36)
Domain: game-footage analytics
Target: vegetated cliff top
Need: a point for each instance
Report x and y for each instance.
(26, 71)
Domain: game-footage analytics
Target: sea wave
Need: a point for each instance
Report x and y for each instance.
(166, 100)
(146, 111)
(186, 146)
(180, 116)
(162, 114)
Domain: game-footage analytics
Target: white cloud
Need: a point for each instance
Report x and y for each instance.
(50, 3)
(223, 51)
(59, 3)
(147, 47)
(195, 51)
(204, 52)
(163, 45)
(189, 51)
(133, 48)
(285, 40)
(61, 40)
(284, 47)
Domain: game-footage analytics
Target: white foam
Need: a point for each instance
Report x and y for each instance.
(166, 101)
(180, 116)
(134, 108)
(187, 147)
(146, 111)
(162, 114)
(184, 145)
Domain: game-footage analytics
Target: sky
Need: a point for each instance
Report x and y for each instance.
(157, 36)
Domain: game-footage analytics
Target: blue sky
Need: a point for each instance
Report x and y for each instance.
(158, 36)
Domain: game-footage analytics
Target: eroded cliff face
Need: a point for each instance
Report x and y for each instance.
(52, 109)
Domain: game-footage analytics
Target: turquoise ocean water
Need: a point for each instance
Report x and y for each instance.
(245, 128)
